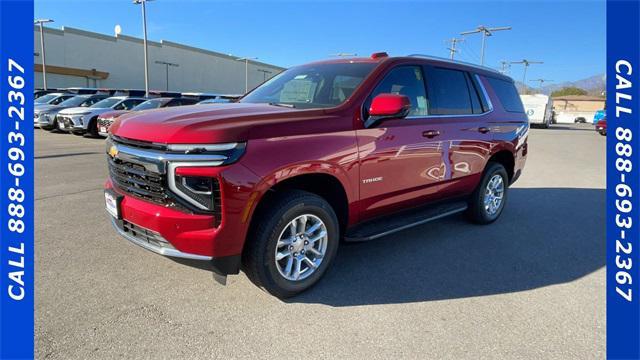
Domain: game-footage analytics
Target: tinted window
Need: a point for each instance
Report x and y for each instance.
(149, 104)
(106, 103)
(448, 92)
(311, 86)
(403, 80)
(128, 104)
(507, 94)
(473, 93)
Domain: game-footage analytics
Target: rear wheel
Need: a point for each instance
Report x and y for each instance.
(292, 244)
(487, 201)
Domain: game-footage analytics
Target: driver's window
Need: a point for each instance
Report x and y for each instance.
(407, 81)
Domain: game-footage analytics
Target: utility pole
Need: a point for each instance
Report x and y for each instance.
(504, 65)
(526, 64)
(167, 64)
(452, 47)
(146, 56)
(264, 74)
(44, 62)
(246, 71)
(485, 31)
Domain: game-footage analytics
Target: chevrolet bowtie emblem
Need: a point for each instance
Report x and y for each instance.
(113, 151)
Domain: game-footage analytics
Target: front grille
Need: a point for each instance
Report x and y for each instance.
(145, 235)
(104, 122)
(134, 179)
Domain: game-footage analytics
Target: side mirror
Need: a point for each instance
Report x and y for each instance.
(387, 106)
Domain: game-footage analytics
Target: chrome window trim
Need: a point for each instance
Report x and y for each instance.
(171, 179)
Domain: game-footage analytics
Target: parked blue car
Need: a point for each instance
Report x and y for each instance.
(599, 115)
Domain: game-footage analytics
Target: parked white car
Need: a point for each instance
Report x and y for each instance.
(80, 120)
(44, 116)
(539, 109)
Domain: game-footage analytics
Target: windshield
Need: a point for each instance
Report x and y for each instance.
(74, 101)
(149, 104)
(45, 98)
(106, 103)
(312, 86)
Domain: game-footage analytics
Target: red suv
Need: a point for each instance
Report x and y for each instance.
(350, 149)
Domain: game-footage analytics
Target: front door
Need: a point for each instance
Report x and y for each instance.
(400, 160)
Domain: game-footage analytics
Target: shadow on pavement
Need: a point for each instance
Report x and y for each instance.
(546, 236)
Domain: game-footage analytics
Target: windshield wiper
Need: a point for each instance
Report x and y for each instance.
(282, 105)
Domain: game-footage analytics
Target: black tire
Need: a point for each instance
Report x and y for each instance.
(477, 212)
(258, 260)
(92, 128)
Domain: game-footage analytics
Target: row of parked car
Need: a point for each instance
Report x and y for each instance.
(91, 111)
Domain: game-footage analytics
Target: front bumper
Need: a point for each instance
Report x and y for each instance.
(71, 123)
(103, 126)
(172, 229)
(151, 240)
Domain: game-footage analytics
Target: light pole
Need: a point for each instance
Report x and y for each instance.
(264, 73)
(144, 30)
(343, 54)
(246, 71)
(166, 64)
(526, 64)
(485, 31)
(44, 62)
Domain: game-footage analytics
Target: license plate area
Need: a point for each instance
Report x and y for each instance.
(113, 203)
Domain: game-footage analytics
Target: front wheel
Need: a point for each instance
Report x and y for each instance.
(487, 201)
(292, 244)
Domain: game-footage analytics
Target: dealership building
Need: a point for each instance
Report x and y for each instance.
(78, 58)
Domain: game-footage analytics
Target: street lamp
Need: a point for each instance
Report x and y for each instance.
(166, 64)
(264, 73)
(343, 54)
(246, 71)
(526, 64)
(44, 66)
(144, 30)
(485, 31)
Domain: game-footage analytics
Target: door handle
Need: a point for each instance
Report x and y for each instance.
(484, 130)
(431, 133)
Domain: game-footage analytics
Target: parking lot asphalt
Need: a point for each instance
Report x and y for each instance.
(531, 285)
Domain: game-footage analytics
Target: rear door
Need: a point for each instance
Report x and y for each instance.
(459, 108)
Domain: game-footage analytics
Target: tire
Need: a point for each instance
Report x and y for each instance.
(478, 211)
(92, 128)
(272, 224)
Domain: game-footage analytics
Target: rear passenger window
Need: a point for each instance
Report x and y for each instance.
(507, 93)
(448, 92)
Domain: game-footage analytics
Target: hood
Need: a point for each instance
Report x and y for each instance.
(76, 110)
(113, 114)
(215, 123)
(45, 107)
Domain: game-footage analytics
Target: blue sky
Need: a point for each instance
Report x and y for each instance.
(568, 36)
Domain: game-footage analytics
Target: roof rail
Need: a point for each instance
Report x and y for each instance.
(456, 62)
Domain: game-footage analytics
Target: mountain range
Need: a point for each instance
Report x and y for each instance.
(594, 85)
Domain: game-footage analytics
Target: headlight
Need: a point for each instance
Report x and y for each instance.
(231, 152)
(200, 188)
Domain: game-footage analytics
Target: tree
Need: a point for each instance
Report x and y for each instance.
(570, 90)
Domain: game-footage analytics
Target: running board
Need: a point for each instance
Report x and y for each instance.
(384, 226)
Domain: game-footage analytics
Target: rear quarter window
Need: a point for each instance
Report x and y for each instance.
(507, 94)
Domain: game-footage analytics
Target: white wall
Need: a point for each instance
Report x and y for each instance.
(122, 57)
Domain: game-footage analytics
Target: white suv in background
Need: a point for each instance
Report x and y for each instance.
(80, 120)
